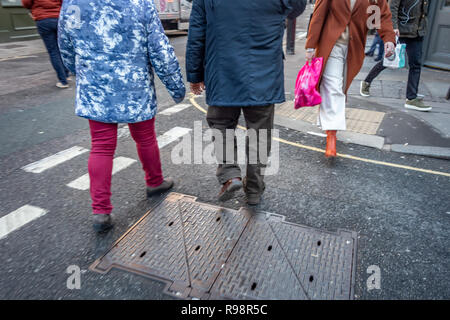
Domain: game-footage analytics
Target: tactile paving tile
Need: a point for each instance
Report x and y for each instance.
(209, 252)
(358, 120)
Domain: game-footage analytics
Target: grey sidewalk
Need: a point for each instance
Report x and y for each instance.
(21, 49)
(379, 121)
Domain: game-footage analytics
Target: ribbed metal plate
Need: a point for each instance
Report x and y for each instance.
(323, 261)
(153, 247)
(210, 235)
(258, 268)
(209, 252)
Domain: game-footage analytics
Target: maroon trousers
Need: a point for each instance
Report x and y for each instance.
(104, 141)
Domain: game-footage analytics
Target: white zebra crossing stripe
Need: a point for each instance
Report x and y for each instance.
(120, 163)
(19, 218)
(82, 183)
(54, 160)
(172, 135)
(175, 109)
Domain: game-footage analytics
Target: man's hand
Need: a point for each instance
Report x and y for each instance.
(397, 32)
(389, 49)
(309, 55)
(197, 88)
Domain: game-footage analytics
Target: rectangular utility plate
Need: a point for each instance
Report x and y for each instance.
(209, 252)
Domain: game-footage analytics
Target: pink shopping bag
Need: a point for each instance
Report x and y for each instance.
(306, 94)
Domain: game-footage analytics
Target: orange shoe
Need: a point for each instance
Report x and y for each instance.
(331, 144)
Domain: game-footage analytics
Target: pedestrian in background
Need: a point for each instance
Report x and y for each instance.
(241, 66)
(338, 33)
(377, 42)
(46, 13)
(112, 46)
(409, 18)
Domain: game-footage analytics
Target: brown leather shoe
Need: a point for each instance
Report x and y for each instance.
(229, 188)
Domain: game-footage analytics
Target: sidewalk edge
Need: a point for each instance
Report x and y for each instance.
(366, 140)
(428, 151)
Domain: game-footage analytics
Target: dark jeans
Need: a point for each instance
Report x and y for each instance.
(48, 29)
(414, 52)
(223, 118)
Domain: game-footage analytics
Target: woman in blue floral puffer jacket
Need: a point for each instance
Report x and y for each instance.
(112, 46)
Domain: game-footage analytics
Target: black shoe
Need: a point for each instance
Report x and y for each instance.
(164, 186)
(378, 59)
(369, 54)
(229, 188)
(102, 222)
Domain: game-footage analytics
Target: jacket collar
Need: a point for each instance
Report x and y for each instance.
(347, 4)
(357, 4)
(349, 7)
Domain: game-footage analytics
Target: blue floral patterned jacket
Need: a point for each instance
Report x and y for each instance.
(112, 47)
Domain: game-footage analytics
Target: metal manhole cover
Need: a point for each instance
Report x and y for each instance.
(258, 268)
(209, 252)
(323, 261)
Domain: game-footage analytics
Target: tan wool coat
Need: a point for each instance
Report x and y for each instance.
(329, 21)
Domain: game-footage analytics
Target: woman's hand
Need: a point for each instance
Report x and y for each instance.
(310, 54)
(389, 49)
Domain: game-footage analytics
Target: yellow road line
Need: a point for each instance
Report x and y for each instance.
(387, 164)
(302, 146)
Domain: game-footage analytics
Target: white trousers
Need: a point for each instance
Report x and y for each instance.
(332, 109)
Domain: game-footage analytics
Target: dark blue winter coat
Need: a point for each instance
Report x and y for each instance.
(235, 47)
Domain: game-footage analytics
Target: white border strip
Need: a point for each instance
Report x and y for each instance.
(19, 218)
(172, 135)
(54, 160)
(83, 182)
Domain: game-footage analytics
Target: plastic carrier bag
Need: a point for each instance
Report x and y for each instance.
(398, 59)
(306, 94)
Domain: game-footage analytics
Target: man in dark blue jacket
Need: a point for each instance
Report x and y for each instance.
(234, 51)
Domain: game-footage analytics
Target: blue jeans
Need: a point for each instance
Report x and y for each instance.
(377, 41)
(414, 52)
(48, 29)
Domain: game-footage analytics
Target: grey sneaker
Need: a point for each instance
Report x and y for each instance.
(164, 186)
(364, 89)
(59, 84)
(417, 104)
(102, 222)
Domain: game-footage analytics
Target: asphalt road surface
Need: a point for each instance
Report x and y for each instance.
(402, 215)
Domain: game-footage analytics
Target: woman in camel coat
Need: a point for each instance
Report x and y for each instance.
(338, 32)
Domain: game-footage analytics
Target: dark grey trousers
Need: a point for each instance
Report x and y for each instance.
(256, 118)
